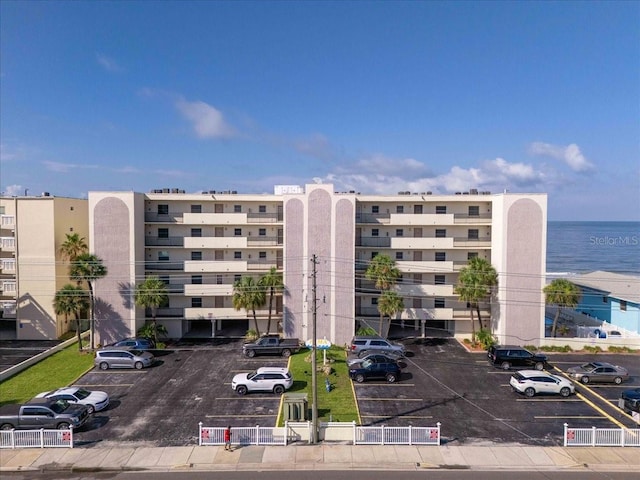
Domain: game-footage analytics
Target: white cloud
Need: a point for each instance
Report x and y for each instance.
(316, 145)
(570, 154)
(207, 121)
(109, 64)
(65, 167)
(14, 190)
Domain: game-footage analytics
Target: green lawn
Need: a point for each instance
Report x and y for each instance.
(58, 370)
(339, 404)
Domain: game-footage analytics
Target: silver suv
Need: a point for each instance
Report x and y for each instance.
(368, 343)
(264, 379)
(122, 357)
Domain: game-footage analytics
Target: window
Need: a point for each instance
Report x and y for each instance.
(262, 255)
(163, 256)
(196, 255)
(438, 302)
(374, 301)
(623, 305)
(262, 232)
(9, 286)
(164, 279)
(196, 232)
(441, 232)
(398, 255)
(471, 255)
(237, 255)
(604, 299)
(237, 209)
(441, 209)
(219, 279)
(374, 255)
(375, 209)
(196, 279)
(399, 232)
(196, 208)
(439, 280)
(474, 211)
(163, 209)
(473, 234)
(400, 209)
(163, 233)
(262, 209)
(441, 256)
(237, 232)
(237, 278)
(196, 302)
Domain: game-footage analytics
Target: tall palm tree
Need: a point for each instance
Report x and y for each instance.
(248, 294)
(152, 293)
(71, 300)
(73, 246)
(562, 293)
(272, 281)
(87, 267)
(389, 304)
(476, 282)
(383, 271)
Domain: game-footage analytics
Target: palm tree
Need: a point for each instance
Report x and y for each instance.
(389, 304)
(152, 293)
(476, 283)
(87, 267)
(71, 299)
(73, 246)
(383, 271)
(248, 294)
(562, 293)
(272, 280)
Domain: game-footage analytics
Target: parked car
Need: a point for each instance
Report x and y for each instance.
(630, 402)
(94, 400)
(122, 357)
(43, 413)
(507, 356)
(533, 382)
(264, 379)
(374, 357)
(367, 343)
(138, 343)
(369, 370)
(599, 372)
(271, 345)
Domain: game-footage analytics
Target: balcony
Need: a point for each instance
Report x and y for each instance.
(219, 243)
(421, 243)
(469, 242)
(373, 242)
(8, 309)
(264, 217)
(263, 241)
(171, 217)
(425, 290)
(262, 264)
(376, 218)
(208, 290)
(163, 242)
(425, 266)
(221, 313)
(164, 265)
(215, 266)
(215, 219)
(483, 219)
(168, 312)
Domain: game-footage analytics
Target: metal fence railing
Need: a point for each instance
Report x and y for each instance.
(601, 437)
(36, 438)
(382, 435)
(243, 435)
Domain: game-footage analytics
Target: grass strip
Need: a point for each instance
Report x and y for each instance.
(336, 405)
(55, 371)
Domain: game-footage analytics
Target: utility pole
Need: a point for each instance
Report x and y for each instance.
(314, 349)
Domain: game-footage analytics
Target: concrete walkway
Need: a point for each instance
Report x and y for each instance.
(323, 457)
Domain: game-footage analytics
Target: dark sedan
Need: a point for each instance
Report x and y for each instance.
(353, 360)
(369, 370)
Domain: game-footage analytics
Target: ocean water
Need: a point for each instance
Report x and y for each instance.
(583, 247)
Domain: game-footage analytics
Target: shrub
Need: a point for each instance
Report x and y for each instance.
(591, 349)
(486, 339)
(251, 336)
(366, 331)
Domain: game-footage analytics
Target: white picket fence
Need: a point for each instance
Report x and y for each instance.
(36, 438)
(601, 437)
(329, 431)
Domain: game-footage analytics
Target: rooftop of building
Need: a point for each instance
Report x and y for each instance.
(616, 285)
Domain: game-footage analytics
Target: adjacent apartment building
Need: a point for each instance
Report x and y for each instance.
(322, 242)
(32, 229)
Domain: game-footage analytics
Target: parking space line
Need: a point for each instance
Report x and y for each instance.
(93, 385)
(570, 416)
(248, 398)
(384, 384)
(395, 399)
(243, 416)
(403, 416)
(125, 372)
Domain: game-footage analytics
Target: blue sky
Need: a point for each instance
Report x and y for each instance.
(377, 97)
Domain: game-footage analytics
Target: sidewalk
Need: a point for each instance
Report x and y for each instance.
(323, 457)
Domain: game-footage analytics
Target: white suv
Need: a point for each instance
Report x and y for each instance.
(264, 379)
(532, 382)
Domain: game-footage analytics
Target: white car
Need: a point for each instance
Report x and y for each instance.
(94, 399)
(533, 382)
(264, 379)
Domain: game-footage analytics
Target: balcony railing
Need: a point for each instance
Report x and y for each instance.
(164, 241)
(466, 218)
(471, 242)
(264, 217)
(171, 217)
(261, 264)
(256, 241)
(372, 217)
(164, 265)
(167, 312)
(376, 242)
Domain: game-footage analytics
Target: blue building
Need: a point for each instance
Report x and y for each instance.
(611, 297)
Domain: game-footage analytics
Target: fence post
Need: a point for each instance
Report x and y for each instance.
(13, 438)
(593, 436)
(200, 434)
(353, 430)
(622, 435)
(257, 434)
(565, 434)
(410, 435)
(439, 431)
(42, 438)
(381, 434)
(70, 436)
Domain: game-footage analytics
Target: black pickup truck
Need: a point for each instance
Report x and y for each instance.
(271, 345)
(43, 413)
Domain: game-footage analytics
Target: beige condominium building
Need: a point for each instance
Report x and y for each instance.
(322, 242)
(32, 229)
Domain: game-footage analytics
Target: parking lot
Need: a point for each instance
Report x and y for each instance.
(442, 382)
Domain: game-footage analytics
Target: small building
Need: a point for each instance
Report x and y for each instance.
(611, 297)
